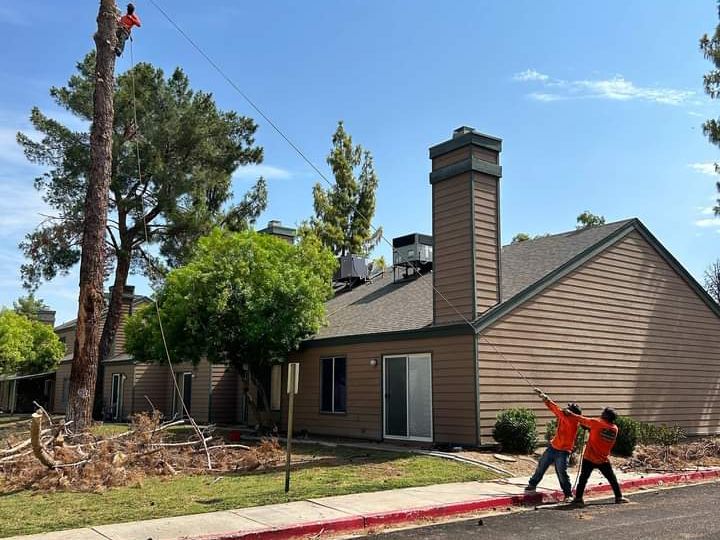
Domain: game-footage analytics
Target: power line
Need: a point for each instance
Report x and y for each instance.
(307, 160)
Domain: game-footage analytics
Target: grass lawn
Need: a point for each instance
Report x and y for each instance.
(351, 471)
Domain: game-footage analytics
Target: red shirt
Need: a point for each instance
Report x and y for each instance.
(603, 435)
(128, 21)
(564, 439)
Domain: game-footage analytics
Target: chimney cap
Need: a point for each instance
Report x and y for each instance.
(464, 136)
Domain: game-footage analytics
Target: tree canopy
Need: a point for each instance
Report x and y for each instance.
(188, 149)
(712, 280)
(242, 298)
(343, 212)
(710, 47)
(588, 219)
(29, 306)
(27, 346)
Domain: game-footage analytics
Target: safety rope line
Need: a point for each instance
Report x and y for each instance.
(147, 241)
(309, 162)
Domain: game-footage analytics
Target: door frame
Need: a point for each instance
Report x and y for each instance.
(407, 357)
(181, 385)
(117, 408)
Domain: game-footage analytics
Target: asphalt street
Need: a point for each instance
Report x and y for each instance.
(679, 513)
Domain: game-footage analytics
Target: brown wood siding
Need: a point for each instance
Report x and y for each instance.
(200, 399)
(127, 402)
(452, 257)
(623, 330)
(67, 334)
(485, 194)
(119, 341)
(151, 382)
(62, 373)
(453, 389)
(224, 394)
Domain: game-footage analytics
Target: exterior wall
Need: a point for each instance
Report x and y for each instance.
(453, 389)
(452, 251)
(151, 381)
(67, 335)
(223, 404)
(118, 346)
(623, 330)
(62, 381)
(486, 241)
(5, 395)
(127, 369)
(200, 399)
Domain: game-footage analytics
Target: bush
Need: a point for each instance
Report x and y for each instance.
(516, 430)
(627, 436)
(662, 435)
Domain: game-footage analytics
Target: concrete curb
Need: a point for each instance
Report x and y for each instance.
(363, 522)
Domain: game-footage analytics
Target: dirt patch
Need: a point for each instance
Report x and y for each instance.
(522, 466)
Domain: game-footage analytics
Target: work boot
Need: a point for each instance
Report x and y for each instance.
(568, 499)
(621, 500)
(577, 503)
(529, 489)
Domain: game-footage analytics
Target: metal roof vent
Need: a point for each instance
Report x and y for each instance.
(352, 268)
(412, 255)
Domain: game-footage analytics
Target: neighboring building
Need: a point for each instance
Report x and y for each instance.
(603, 316)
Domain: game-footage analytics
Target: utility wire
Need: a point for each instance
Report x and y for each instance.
(307, 160)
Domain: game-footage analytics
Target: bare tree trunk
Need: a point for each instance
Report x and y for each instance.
(112, 323)
(92, 263)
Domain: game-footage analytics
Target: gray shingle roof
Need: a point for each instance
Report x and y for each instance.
(384, 306)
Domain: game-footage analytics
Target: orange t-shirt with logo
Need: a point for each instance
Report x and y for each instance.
(564, 439)
(603, 435)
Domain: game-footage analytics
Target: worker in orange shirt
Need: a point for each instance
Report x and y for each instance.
(603, 434)
(124, 27)
(558, 451)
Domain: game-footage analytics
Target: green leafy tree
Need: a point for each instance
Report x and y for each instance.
(521, 237)
(243, 298)
(189, 150)
(710, 47)
(343, 213)
(29, 306)
(27, 346)
(588, 219)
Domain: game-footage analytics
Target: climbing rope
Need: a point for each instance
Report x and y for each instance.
(178, 393)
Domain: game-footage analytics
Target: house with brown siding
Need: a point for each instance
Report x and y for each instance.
(605, 316)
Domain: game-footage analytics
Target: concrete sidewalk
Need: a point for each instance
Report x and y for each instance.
(359, 511)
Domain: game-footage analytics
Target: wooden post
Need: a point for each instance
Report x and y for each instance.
(292, 388)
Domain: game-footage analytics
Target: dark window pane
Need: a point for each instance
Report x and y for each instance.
(340, 385)
(326, 398)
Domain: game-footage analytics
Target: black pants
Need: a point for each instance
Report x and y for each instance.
(122, 36)
(607, 471)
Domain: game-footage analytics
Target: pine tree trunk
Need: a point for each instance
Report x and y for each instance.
(92, 263)
(112, 323)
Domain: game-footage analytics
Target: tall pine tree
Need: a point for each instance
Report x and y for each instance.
(710, 47)
(343, 212)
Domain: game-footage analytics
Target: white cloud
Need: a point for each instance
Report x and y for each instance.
(707, 211)
(697, 114)
(530, 75)
(20, 209)
(252, 172)
(707, 167)
(708, 222)
(616, 88)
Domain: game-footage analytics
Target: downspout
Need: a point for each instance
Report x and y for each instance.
(476, 360)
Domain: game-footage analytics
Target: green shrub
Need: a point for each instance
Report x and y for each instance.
(516, 430)
(662, 435)
(627, 436)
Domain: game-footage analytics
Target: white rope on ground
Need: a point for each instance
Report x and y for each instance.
(178, 393)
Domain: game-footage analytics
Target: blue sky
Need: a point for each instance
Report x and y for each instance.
(599, 104)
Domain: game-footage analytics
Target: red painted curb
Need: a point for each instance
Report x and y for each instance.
(356, 523)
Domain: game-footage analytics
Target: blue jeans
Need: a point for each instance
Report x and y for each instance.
(559, 458)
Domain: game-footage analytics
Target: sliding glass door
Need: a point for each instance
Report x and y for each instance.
(407, 389)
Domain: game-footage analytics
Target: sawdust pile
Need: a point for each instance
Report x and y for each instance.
(83, 462)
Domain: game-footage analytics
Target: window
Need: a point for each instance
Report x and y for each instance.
(333, 390)
(275, 387)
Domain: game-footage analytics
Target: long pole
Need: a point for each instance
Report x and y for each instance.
(291, 404)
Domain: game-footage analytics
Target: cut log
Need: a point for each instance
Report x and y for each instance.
(37, 446)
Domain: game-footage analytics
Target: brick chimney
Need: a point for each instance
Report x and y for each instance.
(46, 316)
(466, 224)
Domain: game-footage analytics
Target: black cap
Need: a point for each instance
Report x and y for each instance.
(574, 407)
(131, 7)
(609, 414)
